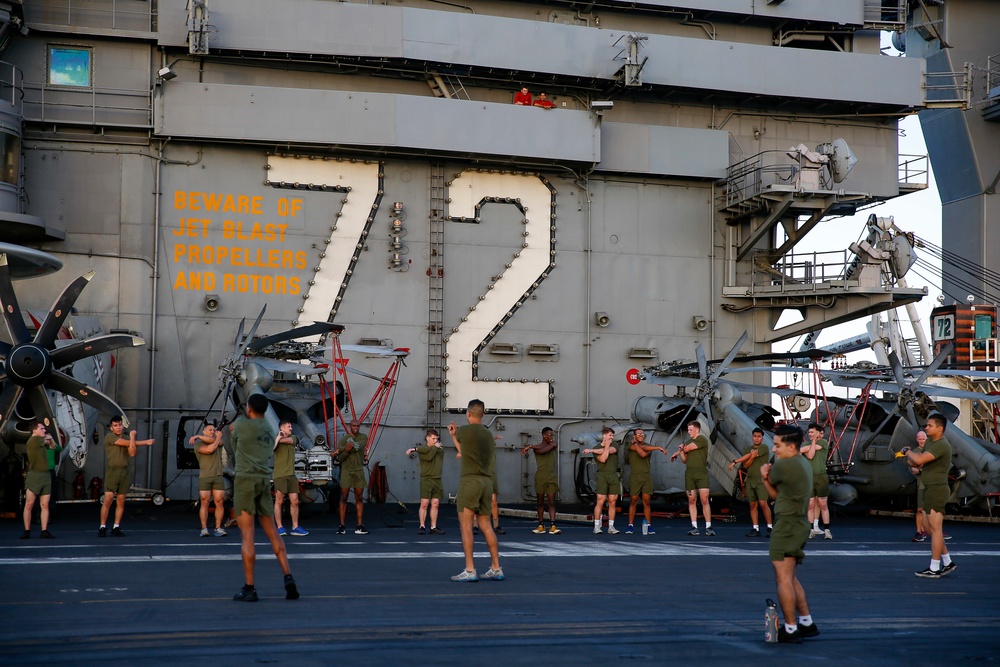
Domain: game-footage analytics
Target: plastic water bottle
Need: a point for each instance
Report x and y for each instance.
(771, 621)
(645, 527)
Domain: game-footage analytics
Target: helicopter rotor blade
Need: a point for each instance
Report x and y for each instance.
(702, 364)
(300, 332)
(729, 357)
(934, 365)
(249, 337)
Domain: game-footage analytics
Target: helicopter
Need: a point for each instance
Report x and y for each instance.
(865, 433)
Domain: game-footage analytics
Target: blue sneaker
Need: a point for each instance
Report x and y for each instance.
(282, 532)
(629, 529)
(649, 530)
(299, 531)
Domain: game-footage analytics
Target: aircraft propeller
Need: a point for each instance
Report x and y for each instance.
(33, 364)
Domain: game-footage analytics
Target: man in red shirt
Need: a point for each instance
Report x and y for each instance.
(544, 102)
(523, 98)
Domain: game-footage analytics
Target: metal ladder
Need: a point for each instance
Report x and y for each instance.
(450, 87)
(435, 299)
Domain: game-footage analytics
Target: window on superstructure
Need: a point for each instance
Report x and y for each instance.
(70, 66)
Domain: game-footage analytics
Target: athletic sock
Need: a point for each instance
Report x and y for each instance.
(935, 565)
(816, 524)
(806, 620)
(756, 527)
(946, 559)
(116, 526)
(708, 524)
(790, 628)
(826, 526)
(770, 527)
(694, 524)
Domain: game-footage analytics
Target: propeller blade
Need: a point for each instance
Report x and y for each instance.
(702, 364)
(759, 388)
(300, 332)
(938, 360)
(674, 381)
(683, 421)
(92, 397)
(11, 310)
(43, 409)
(912, 414)
(281, 366)
(47, 332)
(948, 392)
(65, 356)
(225, 401)
(729, 357)
(253, 330)
(8, 399)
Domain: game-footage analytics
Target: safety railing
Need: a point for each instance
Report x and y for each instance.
(885, 14)
(748, 178)
(914, 171)
(130, 15)
(949, 89)
(12, 86)
(800, 272)
(89, 106)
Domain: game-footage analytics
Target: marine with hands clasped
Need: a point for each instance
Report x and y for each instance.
(751, 461)
(694, 453)
(640, 481)
(211, 485)
(817, 451)
(431, 455)
(285, 481)
(609, 485)
(546, 479)
(351, 454)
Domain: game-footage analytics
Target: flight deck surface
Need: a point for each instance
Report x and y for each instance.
(163, 595)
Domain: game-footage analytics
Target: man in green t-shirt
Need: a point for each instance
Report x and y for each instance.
(476, 449)
(117, 480)
(37, 481)
(351, 454)
(752, 460)
(609, 485)
(546, 479)
(934, 463)
(694, 453)
(789, 482)
(431, 455)
(285, 481)
(640, 481)
(252, 441)
(211, 485)
(817, 452)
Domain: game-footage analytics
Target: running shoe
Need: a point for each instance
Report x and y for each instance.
(629, 529)
(540, 530)
(117, 532)
(102, 531)
(204, 533)
(648, 530)
(361, 530)
(493, 575)
(553, 530)
(753, 532)
(810, 630)
(786, 637)
(246, 594)
(421, 530)
(929, 574)
(694, 532)
(437, 531)
(918, 537)
(47, 535)
(26, 535)
(281, 532)
(291, 591)
(709, 532)
(299, 531)
(945, 569)
(827, 535)
(220, 532)
(340, 530)
(466, 575)
(612, 530)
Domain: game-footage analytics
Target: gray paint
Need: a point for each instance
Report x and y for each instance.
(321, 27)
(671, 151)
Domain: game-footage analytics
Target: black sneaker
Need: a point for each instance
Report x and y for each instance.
(499, 531)
(437, 531)
(694, 531)
(808, 630)
(945, 569)
(102, 531)
(47, 535)
(769, 532)
(929, 574)
(291, 592)
(246, 594)
(421, 530)
(117, 532)
(786, 637)
(475, 530)
(340, 530)
(709, 532)
(26, 535)
(361, 530)
(753, 532)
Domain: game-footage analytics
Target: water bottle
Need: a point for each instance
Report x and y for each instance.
(771, 621)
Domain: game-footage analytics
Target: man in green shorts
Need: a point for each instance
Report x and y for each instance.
(477, 452)
(351, 454)
(211, 485)
(431, 455)
(934, 463)
(285, 481)
(789, 482)
(38, 482)
(640, 481)
(609, 484)
(546, 479)
(252, 441)
(694, 453)
(753, 458)
(117, 480)
(817, 451)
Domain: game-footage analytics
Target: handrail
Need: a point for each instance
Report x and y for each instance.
(12, 85)
(100, 104)
(82, 13)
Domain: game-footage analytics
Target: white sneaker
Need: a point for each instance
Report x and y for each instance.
(612, 530)
(203, 533)
(827, 534)
(597, 530)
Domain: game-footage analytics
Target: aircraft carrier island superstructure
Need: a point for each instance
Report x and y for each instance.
(364, 164)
